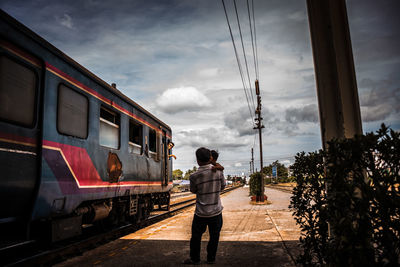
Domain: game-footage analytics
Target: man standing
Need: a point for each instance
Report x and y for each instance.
(206, 183)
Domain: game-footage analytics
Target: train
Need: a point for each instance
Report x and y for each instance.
(74, 150)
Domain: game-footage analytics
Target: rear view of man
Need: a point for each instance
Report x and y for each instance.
(207, 184)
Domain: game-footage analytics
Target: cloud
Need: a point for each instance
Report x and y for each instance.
(307, 113)
(213, 138)
(298, 16)
(66, 21)
(378, 99)
(209, 72)
(240, 121)
(374, 34)
(287, 128)
(376, 113)
(238, 164)
(181, 99)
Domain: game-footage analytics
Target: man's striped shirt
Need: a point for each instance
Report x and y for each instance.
(207, 185)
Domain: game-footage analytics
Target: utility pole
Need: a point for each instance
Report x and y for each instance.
(259, 126)
(250, 168)
(252, 161)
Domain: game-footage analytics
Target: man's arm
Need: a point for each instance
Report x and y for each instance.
(193, 187)
(223, 182)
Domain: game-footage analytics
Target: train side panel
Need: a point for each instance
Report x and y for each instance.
(20, 135)
(77, 168)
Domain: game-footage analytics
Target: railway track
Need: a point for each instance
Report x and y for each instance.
(46, 256)
(180, 195)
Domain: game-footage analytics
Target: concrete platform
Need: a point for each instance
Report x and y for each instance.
(252, 235)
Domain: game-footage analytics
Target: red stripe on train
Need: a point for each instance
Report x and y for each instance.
(83, 169)
(12, 138)
(20, 53)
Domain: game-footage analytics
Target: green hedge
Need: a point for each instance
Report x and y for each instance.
(355, 187)
(255, 183)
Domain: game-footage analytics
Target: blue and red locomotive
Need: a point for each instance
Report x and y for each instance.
(73, 149)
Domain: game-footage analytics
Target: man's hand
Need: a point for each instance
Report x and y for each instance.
(217, 167)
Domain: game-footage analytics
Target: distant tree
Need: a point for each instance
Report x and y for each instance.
(189, 172)
(281, 169)
(267, 170)
(177, 174)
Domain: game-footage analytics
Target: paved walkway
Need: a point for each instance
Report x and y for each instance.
(252, 235)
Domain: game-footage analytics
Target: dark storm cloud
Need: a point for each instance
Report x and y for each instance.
(88, 12)
(376, 41)
(374, 30)
(284, 129)
(379, 99)
(307, 113)
(288, 17)
(240, 121)
(139, 39)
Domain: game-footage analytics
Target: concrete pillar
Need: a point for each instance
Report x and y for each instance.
(339, 108)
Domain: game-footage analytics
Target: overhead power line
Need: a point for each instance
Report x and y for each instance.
(258, 120)
(238, 62)
(255, 59)
(244, 55)
(255, 42)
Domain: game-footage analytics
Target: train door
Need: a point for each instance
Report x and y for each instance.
(20, 79)
(164, 158)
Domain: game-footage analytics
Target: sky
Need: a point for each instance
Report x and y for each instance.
(176, 59)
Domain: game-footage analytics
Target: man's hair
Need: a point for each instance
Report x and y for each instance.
(203, 154)
(214, 154)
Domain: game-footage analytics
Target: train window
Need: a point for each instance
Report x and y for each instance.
(135, 137)
(153, 143)
(72, 114)
(109, 128)
(17, 92)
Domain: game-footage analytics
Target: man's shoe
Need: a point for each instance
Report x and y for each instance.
(189, 261)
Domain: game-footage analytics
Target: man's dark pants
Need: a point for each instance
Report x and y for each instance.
(199, 226)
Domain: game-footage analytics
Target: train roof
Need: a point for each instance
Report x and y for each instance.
(37, 38)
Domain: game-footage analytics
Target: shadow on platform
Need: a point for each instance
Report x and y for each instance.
(171, 253)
